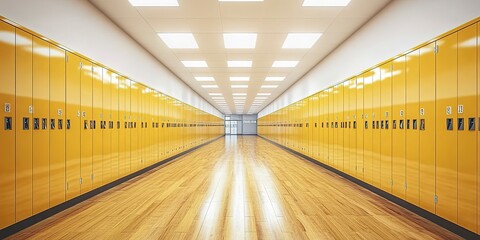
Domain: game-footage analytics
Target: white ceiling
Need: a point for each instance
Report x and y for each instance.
(272, 20)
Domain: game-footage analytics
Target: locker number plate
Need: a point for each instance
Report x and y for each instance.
(449, 110)
(59, 112)
(30, 109)
(460, 108)
(422, 111)
(7, 107)
(401, 113)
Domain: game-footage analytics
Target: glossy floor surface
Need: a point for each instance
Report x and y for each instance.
(236, 188)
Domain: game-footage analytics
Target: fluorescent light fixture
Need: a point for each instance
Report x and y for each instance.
(218, 98)
(239, 98)
(179, 40)
(205, 79)
(195, 64)
(264, 94)
(325, 3)
(274, 79)
(240, 40)
(239, 94)
(154, 3)
(301, 40)
(257, 98)
(269, 86)
(240, 0)
(239, 79)
(239, 86)
(239, 63)
(215, 94)
(284, 64)
(210, 86)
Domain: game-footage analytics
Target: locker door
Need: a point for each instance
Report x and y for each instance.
(360, 119)
(347, 159)
(167, 138)
(368, 134)
(161, 120)
(446, 138)
(57, 136)
(427, 127)
(72, 126)
(376, 128)
(136, 140)
(331, 127)
(23, 133)
(97, 127)
(321, 127)
(352, 126)
(314, 126)
(338, 127)
(41, 136)
(467, 140)
(412, 135)
(131, 126)
(385, 127)
(398, 127)
(86, 133)
(478, 131)
(117, 125)
(156, 132)
(109, 125)
(7, 130)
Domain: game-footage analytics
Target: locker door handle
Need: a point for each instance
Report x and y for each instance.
(382, 126)
(461, 124)
(422, 124)
(414, 123)
(60, 124)
(36, 123)
(118, 125)
(8, 123)
(386, 124)
(394, 124)
(315, 124)
(354, 124)
(378, 124)
(85, 124)
(52, 124)
(93, 124)
(366, 124)
(336, 124)
(153, 125)
(408, 123)
(68, 123)
(110, 124)
(26, 123)
(44, 123)
(400, 124)
(322, 124)
(449, 124)
(373, 124)
(126, 125)
(471, 124)
(135, 125)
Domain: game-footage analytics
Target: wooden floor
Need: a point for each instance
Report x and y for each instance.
(236, 188)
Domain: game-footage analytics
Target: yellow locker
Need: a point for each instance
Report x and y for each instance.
(8, 128)
(136, 140)
(167, 138)
(123, 151)
(150, 128)
(131, 126)
(97, 126)
(40, 125)
(347, 157)
(161, 120)
(331, 127)
(325, 126)
(412, 135)
(352, 126)
(108, 126)
(313, 125)
(368, 126)
(319, 131)
(23, 133)
(426, 126)
(478, 113)
(386, 180)
(446, 134)
(338, 148)
(376, 127)
(360, 127)
(73, 126)
(157, 150)
(57, 136)
(117, 124)
(398, 127)
(86, 135)
(467, 140)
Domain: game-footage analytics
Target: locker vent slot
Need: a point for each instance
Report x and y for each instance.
(135, 125)
(8, 123)
(68, 123)
(327, 124)
(382, 126)
(422, 124)
(449, 124)
(354, 124)
(394, 124)
(349, 124)
(85, 124)
(471, 124)
(126, 125)
(322, 124)
(60, 124)
(93, 124)
(377, 124)
(461, 124)
(315, 124)
(26, 123)
(408, 123)
(163, 125)
(400, 124)
(44, 123)
(366, 124)
(373, 124)
(386, 124)
(36, 123)
(118, 124)
(414, 124)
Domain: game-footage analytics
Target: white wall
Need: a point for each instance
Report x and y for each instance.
(79, 26)
(400, 26)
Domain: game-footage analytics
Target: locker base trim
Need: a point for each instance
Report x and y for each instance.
(19, 226)
(450, 226)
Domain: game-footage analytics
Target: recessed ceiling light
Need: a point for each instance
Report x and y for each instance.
(257, 98)
(205, 79)
(239, 40)
(274, 79)
(239, 97)
(154, 3)
(239, 86)
(284, 64)
(179, 40)
(210, 86)
(269, 86)
(215, 94)
(195, 64)
(239, 94)
(239, 79)
(301, 40)
(325, 3)
(218, 98)
(239, 63)
(264, 94)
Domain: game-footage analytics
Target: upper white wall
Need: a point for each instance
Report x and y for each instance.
(400, 26)
(79, 26)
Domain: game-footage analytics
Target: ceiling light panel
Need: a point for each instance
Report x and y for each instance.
(264, 94)
(239, 79)
(257, 98)
(239, 63)
(239, 94)
(284, 64)
(179, 40)
(239, 86)
(325, 3)
(239, 98)
(269, 86)
(301, 40)
(240, 40)
(218, 98)
(209, 86)
(154, 3)
(195, 64)
(215, 94)
(205, 79)
(274, 79)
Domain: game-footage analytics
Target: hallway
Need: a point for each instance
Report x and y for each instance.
(238, 187)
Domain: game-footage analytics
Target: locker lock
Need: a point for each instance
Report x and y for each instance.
(449, 124)
(461, 124)
(8, 123)
(26, 123)
(471, 124)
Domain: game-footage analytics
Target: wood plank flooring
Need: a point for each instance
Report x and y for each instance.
(236, 188)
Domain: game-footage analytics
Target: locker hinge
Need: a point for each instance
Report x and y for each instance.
(66, 58)
(81, 181)
(435, 49)
(435, 199)
(66, 186)
(406, 186)
(92, 177)
(81, 65)
(391, 182)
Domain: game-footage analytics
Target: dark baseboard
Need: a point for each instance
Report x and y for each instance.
(12, 229)
(460, 231)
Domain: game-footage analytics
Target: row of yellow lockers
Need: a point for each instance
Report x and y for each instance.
(70, 126)
(410, 126)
